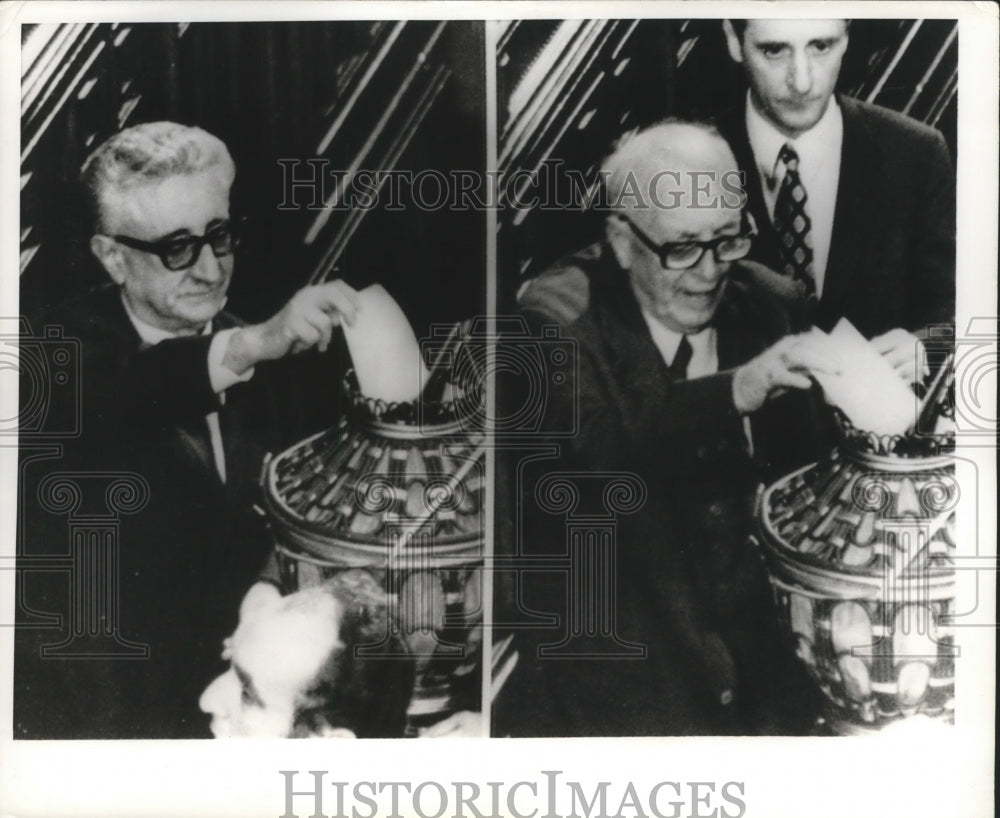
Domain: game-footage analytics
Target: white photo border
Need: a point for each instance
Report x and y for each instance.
(944, 774)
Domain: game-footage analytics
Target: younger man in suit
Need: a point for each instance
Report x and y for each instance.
(855, 202)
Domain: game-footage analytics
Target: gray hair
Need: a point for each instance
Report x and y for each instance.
(641, 153)
(149, 153)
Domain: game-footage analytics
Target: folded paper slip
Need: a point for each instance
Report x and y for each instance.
(384, 350)
(868, 390)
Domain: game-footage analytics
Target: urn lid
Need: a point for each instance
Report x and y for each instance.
(389, 482)
(880, 508)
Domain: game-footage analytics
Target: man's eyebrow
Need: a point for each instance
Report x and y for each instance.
(183, 233)
(682, 237)
(248, 686)
(722, 228)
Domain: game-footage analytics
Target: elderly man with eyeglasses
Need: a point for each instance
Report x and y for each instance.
(176, 391)
(682, 349)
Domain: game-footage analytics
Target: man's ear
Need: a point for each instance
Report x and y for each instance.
(620, 240)
(109, 254)
(732, 41)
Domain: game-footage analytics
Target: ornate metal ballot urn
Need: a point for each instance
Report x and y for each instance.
(860, 549)
(398, 490)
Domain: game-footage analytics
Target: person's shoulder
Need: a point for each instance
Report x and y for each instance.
(760, 295)
(888, 123)
(730, 121)
(93, 311)
(561, 293)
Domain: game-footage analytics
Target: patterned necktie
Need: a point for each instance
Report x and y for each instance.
(679, 365)
(792, 223)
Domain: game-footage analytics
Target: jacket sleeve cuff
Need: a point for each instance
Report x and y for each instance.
(221, 376)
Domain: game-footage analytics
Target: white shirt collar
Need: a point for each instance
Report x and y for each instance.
(153, 335)
(667, 341)
(813, 147)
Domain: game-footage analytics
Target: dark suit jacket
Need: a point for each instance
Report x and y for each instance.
(892, 254)
(186, 558)
(689, 586)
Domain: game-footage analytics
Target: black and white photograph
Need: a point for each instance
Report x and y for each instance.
(220, 392)
(605, 391)
(743, 188)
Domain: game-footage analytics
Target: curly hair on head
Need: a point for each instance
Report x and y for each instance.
(365, 691)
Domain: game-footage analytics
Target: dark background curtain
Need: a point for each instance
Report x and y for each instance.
(270, 91)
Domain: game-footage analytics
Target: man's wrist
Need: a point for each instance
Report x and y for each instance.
(739, 389)
(243, 350)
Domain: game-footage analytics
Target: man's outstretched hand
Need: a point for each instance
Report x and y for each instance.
(306, 321)
(905, 354)
(785, 365)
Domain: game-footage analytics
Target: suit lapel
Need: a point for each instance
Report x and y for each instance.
(855, 210)
(733, 126)
(110, 317)
(189, 438)
(197, 443)
(630, 345)
(242, 450)
(741, 332)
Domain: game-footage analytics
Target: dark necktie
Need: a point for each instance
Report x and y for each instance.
(792, 223)
(679, 365)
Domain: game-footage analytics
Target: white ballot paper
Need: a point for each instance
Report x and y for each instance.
(384, 349)
(868, 390)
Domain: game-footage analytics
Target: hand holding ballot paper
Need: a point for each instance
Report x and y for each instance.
(904, 352)
(786, 364)
(383, 348)
(866, 380)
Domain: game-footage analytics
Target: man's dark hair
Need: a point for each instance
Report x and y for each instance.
(739, 26)
(366, 683)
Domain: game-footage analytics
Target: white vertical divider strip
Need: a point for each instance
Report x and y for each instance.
(493, 29)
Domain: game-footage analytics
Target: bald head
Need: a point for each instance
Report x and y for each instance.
(672, 165)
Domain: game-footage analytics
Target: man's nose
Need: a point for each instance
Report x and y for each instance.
(708, 269)
(800, 73)
(215, 697)
(207, 267)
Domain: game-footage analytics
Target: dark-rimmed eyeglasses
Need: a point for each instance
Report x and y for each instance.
(682, 255)
(183, 253)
